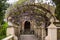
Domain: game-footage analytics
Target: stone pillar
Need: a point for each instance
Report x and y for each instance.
(11, 31)
(52, 32)
(43, 33)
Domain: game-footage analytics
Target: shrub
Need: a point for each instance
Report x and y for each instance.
(3, 30)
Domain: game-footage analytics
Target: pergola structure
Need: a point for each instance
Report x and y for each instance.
(34, 11)
(34, 17)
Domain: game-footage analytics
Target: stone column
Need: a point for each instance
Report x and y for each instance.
(43, 33)
(52, 32)
(19, 32)
(11, 31)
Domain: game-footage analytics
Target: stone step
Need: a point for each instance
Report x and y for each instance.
(28, 37)
(27, 32)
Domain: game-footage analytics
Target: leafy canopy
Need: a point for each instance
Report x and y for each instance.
(3, 6)
(57, 11)
(3, 25)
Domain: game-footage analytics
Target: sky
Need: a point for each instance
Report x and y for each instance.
(11, 1)
(44, 1)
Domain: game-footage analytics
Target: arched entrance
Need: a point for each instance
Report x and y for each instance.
(27, 27)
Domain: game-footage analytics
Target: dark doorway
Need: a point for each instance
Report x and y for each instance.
(27, 25)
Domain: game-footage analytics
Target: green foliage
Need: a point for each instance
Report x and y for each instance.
(3, 6)
(3, 30)
(21, 1)
(3, 25)
(58, 11)
(57, 2)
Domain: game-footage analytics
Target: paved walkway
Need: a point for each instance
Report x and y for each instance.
(28, 37)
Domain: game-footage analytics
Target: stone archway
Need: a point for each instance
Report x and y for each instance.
(27, 25)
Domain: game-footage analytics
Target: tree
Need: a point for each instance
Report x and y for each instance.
(3, 7)
(57, 11)
(3, 30)
(3, 25)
